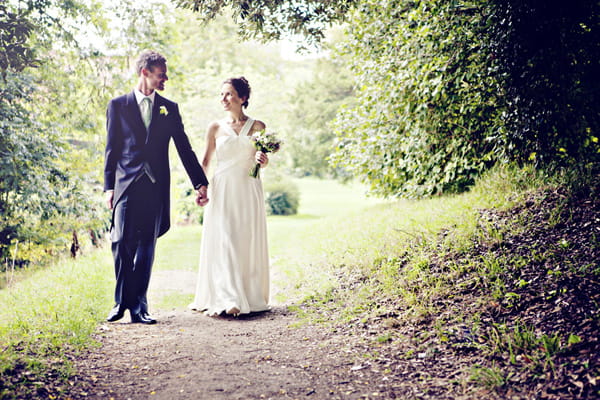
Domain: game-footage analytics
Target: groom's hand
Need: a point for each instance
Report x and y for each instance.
(201, 196)
(108, 196)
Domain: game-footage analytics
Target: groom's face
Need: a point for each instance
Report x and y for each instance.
(156, 77)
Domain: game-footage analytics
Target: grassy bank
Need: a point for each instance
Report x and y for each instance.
(492, 293)
(311, 258)
(47, 318)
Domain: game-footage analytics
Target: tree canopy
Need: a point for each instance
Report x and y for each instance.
(274, 19)
(314, 105)
(16, 52)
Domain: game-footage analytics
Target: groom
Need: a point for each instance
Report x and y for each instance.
(139, 128)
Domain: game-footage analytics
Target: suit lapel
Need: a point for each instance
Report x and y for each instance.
(154, 122)
(134, 115)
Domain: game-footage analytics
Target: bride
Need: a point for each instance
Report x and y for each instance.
(234, 262)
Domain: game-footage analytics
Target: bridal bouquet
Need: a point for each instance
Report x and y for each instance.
(267, 142)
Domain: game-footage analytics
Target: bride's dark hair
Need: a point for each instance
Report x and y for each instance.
(241, 86)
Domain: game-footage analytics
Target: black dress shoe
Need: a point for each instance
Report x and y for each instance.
(140, 318)
(116, 313)
(146, 315)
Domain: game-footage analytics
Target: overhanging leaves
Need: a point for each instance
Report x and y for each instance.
(273, 19)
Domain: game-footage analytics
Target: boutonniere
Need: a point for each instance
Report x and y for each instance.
(164, 111)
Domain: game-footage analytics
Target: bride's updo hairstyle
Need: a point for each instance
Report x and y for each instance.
(242, 87)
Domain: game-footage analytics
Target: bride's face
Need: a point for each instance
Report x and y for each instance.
(230, 99)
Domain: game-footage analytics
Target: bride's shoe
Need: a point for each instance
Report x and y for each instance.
(233, 311)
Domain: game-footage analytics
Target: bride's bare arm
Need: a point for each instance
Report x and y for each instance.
(210, 145)
(258, 126)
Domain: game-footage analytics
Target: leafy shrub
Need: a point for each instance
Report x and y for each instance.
(446, 89)
(547, 56)
(427, 109)
(282, 197)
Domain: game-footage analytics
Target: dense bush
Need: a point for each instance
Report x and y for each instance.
(282, 197)
(428, 107)
(448, 88)
(547, 54)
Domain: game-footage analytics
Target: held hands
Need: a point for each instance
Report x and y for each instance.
(201, 196)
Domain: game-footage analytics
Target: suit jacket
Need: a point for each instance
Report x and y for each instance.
(129, 145)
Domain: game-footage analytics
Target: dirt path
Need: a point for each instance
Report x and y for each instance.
(190, 356)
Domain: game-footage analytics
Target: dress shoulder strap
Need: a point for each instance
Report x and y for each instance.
(247, 126)
(245, 129)
(226, 127)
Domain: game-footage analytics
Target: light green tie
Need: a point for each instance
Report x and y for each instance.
(146, 111)
(147, 117)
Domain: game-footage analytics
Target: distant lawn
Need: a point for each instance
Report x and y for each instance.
(179, 249)
(326, 198)
(320, 200)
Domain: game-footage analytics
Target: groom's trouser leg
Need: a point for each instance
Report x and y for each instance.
(139, 213)
(122, 251)
(144, 258)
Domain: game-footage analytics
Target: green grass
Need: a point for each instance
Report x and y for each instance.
(324, 198)
(324, 205)
(308, 258)
(50, 314)
(179, 249)
(321, 201)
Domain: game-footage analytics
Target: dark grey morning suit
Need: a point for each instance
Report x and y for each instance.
(137, 169)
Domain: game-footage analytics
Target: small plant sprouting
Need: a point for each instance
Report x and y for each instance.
(490, 378)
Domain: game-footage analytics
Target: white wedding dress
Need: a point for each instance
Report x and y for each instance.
(234, 260)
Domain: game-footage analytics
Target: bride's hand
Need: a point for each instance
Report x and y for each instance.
(261, 158)
(201, 196)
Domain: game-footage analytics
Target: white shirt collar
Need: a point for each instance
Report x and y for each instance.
(139, 96)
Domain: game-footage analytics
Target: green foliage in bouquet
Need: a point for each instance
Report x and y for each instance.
(282, 197)
(267, 142)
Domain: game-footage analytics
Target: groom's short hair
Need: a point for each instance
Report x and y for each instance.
(149, 59)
